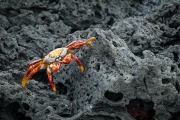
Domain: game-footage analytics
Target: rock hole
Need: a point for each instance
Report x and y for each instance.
(51, 31)
(162, 93)
(173, 68)
(98, 7)
(41, 102)
(85, 22)
(61, 17)
(145, 84)
(97, 67)
(12, 110)
(98, 15)
(11, 46)
(140, 109)
(175, 116)
(176, 57)
(17, 50)
(96, 85)
(5, 45)
(66, 115)
(74, 29)
(166, 80)
(114, 43)
(25, 106)
(133, 59)
(43, 18)
(90, 99)
(89, 75)
(61, 88)
(28, 40)
(121, 74)
(139, 54)
(22, 56)
(51, 1)
(113, 96)
(136, 43)
(111, 21)
(113, 64)
(71, 98)
(47, 111)
(1, 51)
(107, 55)
(92, 62)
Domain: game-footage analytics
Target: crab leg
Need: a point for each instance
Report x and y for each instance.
(78, 43)
(28, 75)
(34, 62)
(52, 68)
(69, 58)
(50, 79)
(78, 62)
(33, 68)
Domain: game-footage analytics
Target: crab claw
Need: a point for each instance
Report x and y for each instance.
(78, 43)
(89, 41)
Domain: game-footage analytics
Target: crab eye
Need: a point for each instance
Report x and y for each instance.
(60, 57)
(57, 59)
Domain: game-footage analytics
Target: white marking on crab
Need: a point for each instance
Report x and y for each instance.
(48, 70)
(49, 60)
(42, 67)
(64, 52)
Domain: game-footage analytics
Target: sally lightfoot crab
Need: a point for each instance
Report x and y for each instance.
(52, 62)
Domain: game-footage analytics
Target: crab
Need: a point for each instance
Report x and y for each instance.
(53, 61)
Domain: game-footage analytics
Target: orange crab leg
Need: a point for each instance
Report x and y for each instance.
(28, 75)
(69, 58)
(78, 43)
(52, 68)
(34, 62)
(50, 79)
(33, 65)
(78, 62)
(33, 68)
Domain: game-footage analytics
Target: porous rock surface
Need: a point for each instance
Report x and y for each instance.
(131, 70)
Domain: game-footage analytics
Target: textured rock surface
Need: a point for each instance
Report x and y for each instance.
(131, 70)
